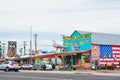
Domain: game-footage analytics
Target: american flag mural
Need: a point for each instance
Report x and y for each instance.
(116, 52)
(110, 54)
(106, 51)
(106, 54)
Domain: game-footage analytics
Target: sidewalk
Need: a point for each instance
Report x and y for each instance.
(86, 72)
(105, 73)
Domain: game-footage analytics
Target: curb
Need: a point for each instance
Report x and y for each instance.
(104, 74)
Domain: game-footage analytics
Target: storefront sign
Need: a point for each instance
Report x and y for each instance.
(77, 37)
(95, 52)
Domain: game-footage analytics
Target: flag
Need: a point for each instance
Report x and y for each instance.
(116, 52)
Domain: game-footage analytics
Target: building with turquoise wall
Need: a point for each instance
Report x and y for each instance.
(77, 42)
(102, 48)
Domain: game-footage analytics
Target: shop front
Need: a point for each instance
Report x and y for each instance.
(78, 51)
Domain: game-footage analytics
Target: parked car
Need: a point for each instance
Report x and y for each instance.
(9, 65)
(26, 67)
(20, 65)
(45, 65)
(36, 67)
(1, 65)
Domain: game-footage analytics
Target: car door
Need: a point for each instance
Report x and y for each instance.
(4, 65)
(15, 65)
(47, 65)
(1, 65)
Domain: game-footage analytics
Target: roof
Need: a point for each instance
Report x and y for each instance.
(103, 38)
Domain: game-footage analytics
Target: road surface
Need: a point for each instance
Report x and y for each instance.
(51, 76)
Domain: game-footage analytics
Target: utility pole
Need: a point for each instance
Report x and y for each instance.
(35, 36)
(24, 44)
(3, 49)
(0, 50)
(20, 51)
(30, 40)
(30, 60)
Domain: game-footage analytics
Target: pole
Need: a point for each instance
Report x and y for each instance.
(35, 41)
(24, 43)
(3, 49)
(0, 50)
(63, 36)
(35, 36)
(30, 44)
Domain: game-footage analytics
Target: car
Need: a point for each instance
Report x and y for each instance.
(20, 65)
(45, 65)
(1, 65)
(9, 65)
(36, 67)
(26, 67)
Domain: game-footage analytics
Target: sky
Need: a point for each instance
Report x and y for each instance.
(52, 18)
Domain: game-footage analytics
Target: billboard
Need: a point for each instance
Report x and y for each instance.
(12, 48)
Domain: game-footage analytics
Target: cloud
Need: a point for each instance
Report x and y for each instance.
(52, 18)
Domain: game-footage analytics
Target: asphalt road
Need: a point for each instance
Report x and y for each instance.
(51, 76)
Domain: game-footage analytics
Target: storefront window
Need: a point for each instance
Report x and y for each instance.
(86, 58)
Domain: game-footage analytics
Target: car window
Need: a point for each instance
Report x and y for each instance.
(14, 63)
(47, 63)
(27, 64)
(6, 62)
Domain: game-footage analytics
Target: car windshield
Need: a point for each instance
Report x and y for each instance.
(2, 63)
(14, 63)
(6, 62)
(27, 64)
(47, 63)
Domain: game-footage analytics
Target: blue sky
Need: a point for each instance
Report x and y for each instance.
(52, 18)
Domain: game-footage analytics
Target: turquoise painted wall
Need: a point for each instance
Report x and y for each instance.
(83, 42)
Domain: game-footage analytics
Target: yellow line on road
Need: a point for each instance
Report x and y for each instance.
(48, 78)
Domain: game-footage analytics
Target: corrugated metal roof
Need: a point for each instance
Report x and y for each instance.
(103, 38)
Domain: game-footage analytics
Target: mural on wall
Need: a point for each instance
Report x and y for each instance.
(106, 52)
(95, 52)
(78, 42)
(12, 48)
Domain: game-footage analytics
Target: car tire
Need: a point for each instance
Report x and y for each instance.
(21, 68)
(7, 69)
(16, 70)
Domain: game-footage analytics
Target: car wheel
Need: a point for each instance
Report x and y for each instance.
(7, 69)
(21, 68)
(16, 70)
(44, 68)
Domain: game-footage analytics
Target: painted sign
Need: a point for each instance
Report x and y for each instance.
(78, 42)
(77, 37)
(95, 52)
(12, 48)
